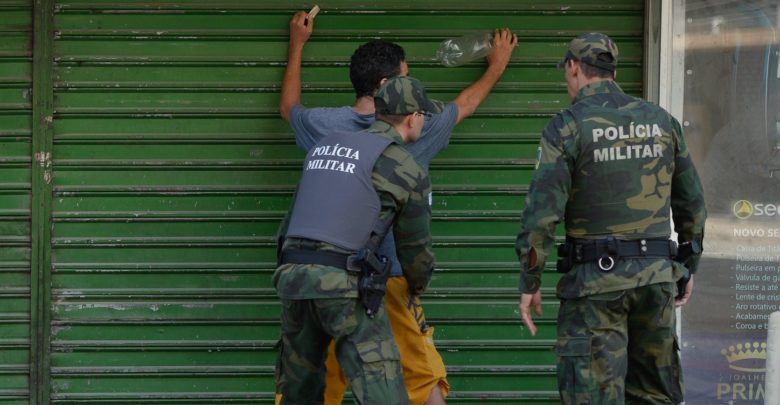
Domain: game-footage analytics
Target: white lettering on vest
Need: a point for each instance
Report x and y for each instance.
(623, 152)
(335, 165)
(627, 152)
(633, 131)
(611, 133)
(597, 133)
(336, 150)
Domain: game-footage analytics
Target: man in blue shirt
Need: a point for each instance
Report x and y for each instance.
(370, 65)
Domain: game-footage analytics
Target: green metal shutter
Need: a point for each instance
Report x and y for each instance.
(15, 200)
(172, 169)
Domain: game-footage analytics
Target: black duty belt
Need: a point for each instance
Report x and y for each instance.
(324, 258)
(607, 250)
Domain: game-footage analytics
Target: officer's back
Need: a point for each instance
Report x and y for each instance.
(353, 188)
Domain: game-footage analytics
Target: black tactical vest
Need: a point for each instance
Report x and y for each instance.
(336, 201)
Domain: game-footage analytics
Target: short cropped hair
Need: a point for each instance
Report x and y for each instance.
(372, 62)
(591, 71)
(391, 119)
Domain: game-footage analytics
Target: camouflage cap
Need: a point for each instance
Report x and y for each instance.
(594, 49)
(402, 95)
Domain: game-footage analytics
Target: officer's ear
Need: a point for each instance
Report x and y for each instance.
(381, 82)
(409, 121)
(574, 67)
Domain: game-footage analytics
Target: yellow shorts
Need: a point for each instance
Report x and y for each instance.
(421, 362)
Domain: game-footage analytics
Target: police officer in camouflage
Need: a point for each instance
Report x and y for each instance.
(613, 168)
(352, 186)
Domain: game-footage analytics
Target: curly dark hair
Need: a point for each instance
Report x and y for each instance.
(373, 61)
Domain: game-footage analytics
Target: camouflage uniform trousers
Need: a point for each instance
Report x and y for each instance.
(619, 348)
(364, 347)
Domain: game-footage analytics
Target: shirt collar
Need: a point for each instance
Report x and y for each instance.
(384, 129)
(599, 87)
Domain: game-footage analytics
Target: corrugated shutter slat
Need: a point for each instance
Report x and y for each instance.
(172, 170)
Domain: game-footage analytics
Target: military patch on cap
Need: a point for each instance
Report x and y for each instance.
(403, 95)
(593, 49)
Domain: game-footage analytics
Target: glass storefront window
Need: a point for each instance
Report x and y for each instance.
(731, 118)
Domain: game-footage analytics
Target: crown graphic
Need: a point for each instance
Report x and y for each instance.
(742, 353)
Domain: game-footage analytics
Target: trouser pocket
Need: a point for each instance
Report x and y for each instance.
(382, 380)
(575, 381)
(675, 375)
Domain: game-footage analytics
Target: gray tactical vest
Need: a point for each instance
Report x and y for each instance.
(336, 201)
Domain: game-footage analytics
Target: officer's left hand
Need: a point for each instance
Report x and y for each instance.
(526, 302)
(688, 290)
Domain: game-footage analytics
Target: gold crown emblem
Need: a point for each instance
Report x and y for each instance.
(737, 356)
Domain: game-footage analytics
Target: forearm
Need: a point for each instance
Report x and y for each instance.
(291, 83)
(413, 244)
(300, 29)
(532, 248)
(689, 215)
(687, 200)
(689, 212)
(504, 42)
(472, 96)
(545, 207)
(530, 279)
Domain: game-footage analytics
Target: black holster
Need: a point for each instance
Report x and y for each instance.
(684, 252)
(565, 262)
(374, 273)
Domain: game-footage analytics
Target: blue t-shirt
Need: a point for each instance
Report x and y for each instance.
(310, 125)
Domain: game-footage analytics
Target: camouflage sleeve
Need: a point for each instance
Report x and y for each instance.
(545, 202)
(403, 186)
(688, 211)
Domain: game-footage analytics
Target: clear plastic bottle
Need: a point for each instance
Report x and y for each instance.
(458, 51)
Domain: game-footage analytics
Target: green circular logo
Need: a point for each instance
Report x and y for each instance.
(743, 209)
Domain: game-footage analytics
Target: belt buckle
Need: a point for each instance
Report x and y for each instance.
(611, 248)
(606, 267)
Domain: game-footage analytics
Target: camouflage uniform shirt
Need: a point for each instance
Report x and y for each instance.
(610, 164)
(403, 187)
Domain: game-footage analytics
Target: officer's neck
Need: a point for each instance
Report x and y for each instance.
(587, 81)
(405, 129)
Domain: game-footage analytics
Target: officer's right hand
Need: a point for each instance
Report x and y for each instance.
(683, 296)
(526, 302)
(300, 28)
